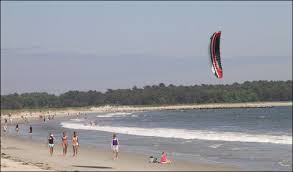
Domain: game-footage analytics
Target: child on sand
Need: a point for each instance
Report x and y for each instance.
(75, 143)
(64, 143)
(164, 159)
(51, 143)
(115, 146)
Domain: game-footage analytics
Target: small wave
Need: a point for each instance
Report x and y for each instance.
(117, 114)
(215, 146)
(235, 149)
(187, 134)
(285, 163)
(262, 117)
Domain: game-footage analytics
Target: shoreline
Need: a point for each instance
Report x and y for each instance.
(20, 115)
(25, 154)
(35, 156)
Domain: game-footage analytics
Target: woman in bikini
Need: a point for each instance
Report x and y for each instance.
(75, 143)
(64, 143)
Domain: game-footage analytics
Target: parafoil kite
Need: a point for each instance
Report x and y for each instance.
(215, 54)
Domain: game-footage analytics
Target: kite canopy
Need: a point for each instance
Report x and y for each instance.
(215, 55)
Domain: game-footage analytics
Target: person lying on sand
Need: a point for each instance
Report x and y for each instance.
(164, 159)
(153, 160)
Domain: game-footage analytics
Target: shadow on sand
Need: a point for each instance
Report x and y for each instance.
(87, 166)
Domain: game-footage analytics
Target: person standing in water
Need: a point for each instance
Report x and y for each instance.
(5, 128)
(51, 143)
(17, 128)
(64, 143)
(115, 146)
(75, 143)
(31, 129)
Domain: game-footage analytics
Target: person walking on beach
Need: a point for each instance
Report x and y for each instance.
(5, 128)
(75, 143)
(17, 128)
(31, 129)
(51, 143)
(64, 143)
(10, 119)
(115, 146)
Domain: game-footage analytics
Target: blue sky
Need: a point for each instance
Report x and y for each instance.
(61, 46)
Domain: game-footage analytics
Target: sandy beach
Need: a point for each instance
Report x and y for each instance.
(23, 154)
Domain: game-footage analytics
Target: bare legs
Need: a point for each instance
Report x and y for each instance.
(115, 154)
(64, 149)
(74, 150)
(51, 151)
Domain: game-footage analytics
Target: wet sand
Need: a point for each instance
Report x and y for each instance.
(35, 155)
(18, 152)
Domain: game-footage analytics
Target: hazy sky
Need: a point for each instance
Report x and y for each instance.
(61, 46)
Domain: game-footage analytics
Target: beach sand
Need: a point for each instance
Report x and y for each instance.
(17, 165)
(18, 154)
(35, 156)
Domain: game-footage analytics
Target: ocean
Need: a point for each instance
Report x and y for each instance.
(248, 138)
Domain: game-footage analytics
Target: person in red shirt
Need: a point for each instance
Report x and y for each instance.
(164, 159)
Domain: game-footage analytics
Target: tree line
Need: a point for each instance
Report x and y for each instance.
(249, 91)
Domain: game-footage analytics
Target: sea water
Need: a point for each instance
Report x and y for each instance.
(248, 138)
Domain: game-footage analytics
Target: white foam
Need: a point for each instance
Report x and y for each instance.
(285, 163)
(187, 134)
(117, 114)
(215, 146)
(76, 119)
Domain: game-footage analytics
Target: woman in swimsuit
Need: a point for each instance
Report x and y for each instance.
(115, 146)
(51, 143)
(64, 143)
(75, 143)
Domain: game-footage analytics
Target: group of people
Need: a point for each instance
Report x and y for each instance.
(75, 144)
(50, 117)
(64, 143)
